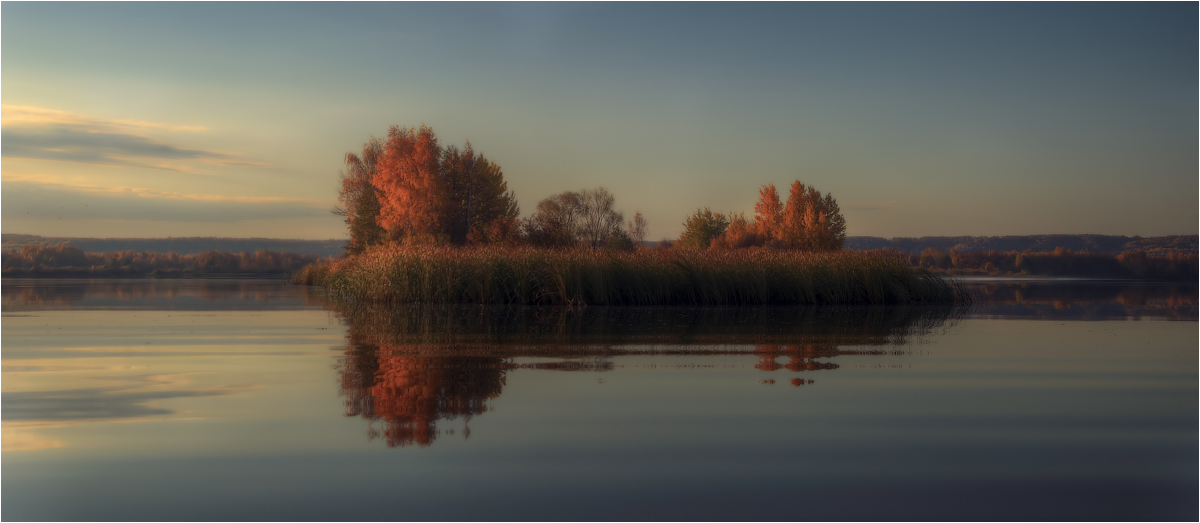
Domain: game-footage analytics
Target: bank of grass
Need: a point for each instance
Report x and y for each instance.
(573, 277)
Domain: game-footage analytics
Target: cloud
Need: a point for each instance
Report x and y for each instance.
(33, 197)
(47, 134)
(23, 115)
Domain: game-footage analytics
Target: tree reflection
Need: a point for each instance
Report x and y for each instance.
(409, 368)
(804, 357)
(409, 393)
(1084, 300)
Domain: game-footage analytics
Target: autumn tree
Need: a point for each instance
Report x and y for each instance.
(358, 201)
(811, 221)
(807, 221)
(427, 194)
(768, 214)
(702, 227)
(409, 184)
(477, 206)
(740, 233)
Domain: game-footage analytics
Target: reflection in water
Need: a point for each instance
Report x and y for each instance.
(409, 368)
(1083, 300)
(554, 328)
(409, 394)
(28, 294)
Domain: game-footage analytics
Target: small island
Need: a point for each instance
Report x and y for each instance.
(433, 224)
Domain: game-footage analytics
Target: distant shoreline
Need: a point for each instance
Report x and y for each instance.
(1094, 243)
(82, 275)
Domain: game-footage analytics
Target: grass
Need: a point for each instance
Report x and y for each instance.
(577, 277)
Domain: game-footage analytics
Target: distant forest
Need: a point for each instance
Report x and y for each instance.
(1094, 243)
(72, 262)
(182, 246)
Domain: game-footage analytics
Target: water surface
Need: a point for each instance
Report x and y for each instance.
(253, 400)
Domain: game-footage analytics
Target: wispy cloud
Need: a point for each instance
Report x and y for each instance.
(48, 197)
(24, 115)
(48, 134)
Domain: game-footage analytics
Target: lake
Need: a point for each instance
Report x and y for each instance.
(257, 400)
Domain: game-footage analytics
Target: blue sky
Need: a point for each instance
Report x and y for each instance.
(231, 119)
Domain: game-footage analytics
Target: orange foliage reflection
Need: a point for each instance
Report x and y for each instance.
(409, 394)
(800, 357)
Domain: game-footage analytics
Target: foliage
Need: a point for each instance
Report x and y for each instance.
(555, 221)
(409, 181)
(739, 235)
(411, 190)
(358, 200)
(701, 228)
(477, 207)
(808, 221)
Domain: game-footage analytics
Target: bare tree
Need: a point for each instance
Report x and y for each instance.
(569, 218)
(598, 220)
(636, 228)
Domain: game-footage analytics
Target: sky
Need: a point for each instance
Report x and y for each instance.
(233, 119)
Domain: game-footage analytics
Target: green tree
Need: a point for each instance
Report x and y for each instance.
(477, 205)
(702, 227)
(357, 199)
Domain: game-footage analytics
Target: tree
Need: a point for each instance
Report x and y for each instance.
(811, 221)
(358, 200)
(740, 234)
(570, 218)
(410, 186)
(555, 221)
(808, 221)
(636, 229)
(598, 221)
(768, 214)
(477, 206)
(701, 228)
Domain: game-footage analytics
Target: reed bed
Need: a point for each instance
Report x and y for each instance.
(577, 277)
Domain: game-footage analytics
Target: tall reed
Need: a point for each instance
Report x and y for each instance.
(536, 276)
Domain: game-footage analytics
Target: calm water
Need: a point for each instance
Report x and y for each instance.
(254, 400)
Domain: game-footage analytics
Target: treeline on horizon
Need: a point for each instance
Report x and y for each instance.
(1061, 262)
(182, 246)
(1093, 243)
(69, 261)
